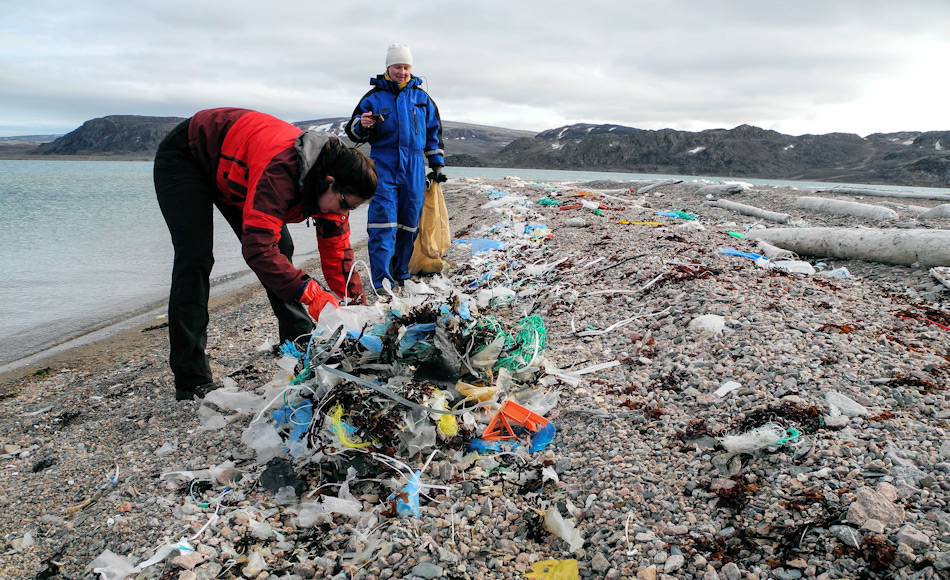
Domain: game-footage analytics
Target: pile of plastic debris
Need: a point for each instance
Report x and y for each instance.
(436, 383)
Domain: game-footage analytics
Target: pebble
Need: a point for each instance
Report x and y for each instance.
(427, 570)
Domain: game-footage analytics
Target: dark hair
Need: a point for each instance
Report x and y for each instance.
(353, 171)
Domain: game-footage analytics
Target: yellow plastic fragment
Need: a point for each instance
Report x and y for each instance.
(554, 570)
(471, 392)
(627, 223)
(449, 425)
(86, 503)
(336, 417)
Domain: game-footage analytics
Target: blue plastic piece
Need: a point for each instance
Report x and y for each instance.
(529, 228)
(370, 342)
(290, 349)
(464, 312)
(484, 244)
(481, 446)
(410, 508)
(735, 252)
(541, 439)
(486, 276)
(299, 416)
(415, 333)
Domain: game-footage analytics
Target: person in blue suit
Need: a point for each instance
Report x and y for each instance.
(401, 123)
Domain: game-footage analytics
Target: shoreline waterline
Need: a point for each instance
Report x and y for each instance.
(229, 283)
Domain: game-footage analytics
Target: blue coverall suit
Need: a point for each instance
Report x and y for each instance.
(409, 136)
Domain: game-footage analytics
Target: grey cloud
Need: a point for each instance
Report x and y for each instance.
(644, 63)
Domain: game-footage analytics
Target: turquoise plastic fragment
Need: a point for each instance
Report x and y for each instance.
(411, 507)
(735, 252)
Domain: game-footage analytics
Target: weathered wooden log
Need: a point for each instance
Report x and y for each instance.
(771, 216)
(721, 189)
(775, 253)
(941, 211)
(657, 184)
(905, 206)
(852, 208)
(888, 246)
(871, 192)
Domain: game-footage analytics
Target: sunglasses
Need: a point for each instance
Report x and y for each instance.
(344, 205)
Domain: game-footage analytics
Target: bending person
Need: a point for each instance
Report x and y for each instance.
(401, 123)
(261, 173)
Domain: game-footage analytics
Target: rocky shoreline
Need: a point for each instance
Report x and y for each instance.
(715, 419)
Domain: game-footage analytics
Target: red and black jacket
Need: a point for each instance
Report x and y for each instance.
(258, 163)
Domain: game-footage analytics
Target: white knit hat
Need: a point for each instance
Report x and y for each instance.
(398, 54)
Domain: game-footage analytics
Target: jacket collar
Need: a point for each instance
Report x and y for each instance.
(392, 86)
(308, 145)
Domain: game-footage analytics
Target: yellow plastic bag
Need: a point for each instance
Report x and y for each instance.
(554, 570)
(434, 236)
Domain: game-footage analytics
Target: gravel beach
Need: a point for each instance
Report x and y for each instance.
(715, 419)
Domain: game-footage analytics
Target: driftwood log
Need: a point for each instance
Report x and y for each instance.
(657, 184)
(941, 211)
(887, 246)
(721, 189)
(887, 193)
(852, 208)
(771, 216)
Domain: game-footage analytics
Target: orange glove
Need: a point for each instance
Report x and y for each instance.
(316, 298)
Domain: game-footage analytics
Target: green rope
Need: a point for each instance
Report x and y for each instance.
(530, 341)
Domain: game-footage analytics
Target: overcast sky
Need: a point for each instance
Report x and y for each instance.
(795, 66)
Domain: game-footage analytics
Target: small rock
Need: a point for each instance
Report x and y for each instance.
(869, 504)
(189, 560)
(912, 537)
(427, 570)
(731, 571)
(599, 562)
(942, 561)
(673, 563)
(887, 491)
(648, 573)
(208, 571)
(836, 422)
(848, 535)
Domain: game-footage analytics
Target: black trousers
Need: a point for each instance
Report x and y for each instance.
(186, 195)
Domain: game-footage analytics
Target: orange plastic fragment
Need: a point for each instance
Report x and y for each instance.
(512, 414)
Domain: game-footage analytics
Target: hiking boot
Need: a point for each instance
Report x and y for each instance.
(195, 393)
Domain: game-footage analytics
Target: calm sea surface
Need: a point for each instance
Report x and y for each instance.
(83, 246)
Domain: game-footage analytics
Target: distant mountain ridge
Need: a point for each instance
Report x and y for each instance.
(139, 136)
(909, 158)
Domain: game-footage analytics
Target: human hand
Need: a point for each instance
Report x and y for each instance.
(436, 174)
(316, 298)
(358, 300)
(369, 119)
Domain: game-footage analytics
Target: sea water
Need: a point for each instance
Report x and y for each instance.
(83, 246)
